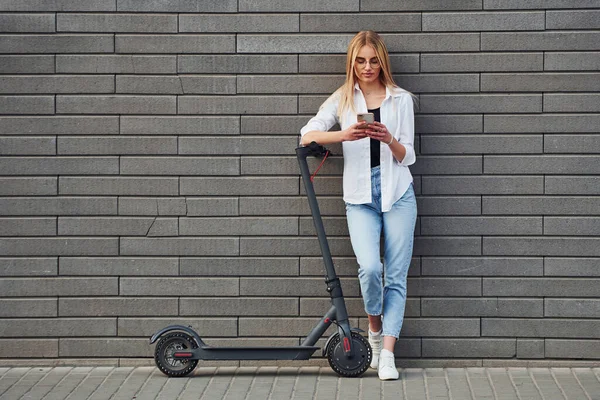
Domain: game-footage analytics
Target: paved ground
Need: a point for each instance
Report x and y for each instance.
(298, 383)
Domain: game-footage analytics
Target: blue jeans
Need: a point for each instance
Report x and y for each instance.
(365, 223)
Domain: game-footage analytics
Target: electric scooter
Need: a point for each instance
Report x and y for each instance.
(349, 354)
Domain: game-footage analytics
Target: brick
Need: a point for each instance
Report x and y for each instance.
(482, 266)
(581, 349)
(220, 327)
(28, 266)
(162, 227)
(29, 186)
(59, 125)
(174, 44)
(289, 166)
(27, 226)
(204, 207)
(110, 347)
(478, 144)
(572, 226)
(537, 287)
(116, 307)
(27, 145)
(580, 19)
(431, 327)
(484, 21)
(572, 185)
(29, 348)
(336, 64)
(152, 206)
(58, 327)
(316, 306)
(562, 266)
(481, 226)
(273, 124)
(154, 23)
(288, 84)
(290, 206)
(439, 83)
(572, 308)
(239, 23)
(330, 22)
(571, 61)
(444, 286)
(478, 103)
(532, 82)
(180, 84)
(531, 205)
(43, 307)
(249, 326)
(482, 62)
(104, 226)
(431, 42)
(116, 64)
(519, 4)
(44, 287)
(27, 22)
(27, 64)
(180, 166)
(179, 246)
(482, 307)
(434, 246)
(448, 165)
(557, 123)
(116, 145)
(242, 266)
(335, 226)
(449, 205)
(571, 102)
(282, 287)
(539, 41)
(449, 124)
(248, 186)
(298, 6)
(57, 84)
(311, 104)
(530, 348)
(59, 5)
(543, 164)
(57, 43)
(553, 328)
(295, 246)
(180, 6)
(237, 64)
(237, 105)
(58, 206)
(180, 125)
(26, 105)
(118, 186)
(219, 145)
(179, 286)
(58, 246)
(304, 43)
(538, 246)
(109, 266)
(238, 306)
(476, 348)
(59, 165)
(419, 5)
(239, 226)
(121, 104)
(345, 266)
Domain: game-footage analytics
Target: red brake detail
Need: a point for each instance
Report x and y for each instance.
(312, 177)
(346, 344)
(182, 354)
(327, 320)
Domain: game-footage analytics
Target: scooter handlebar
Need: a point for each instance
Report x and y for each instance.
(313, 149)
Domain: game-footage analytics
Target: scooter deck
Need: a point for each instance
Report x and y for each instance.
(248, 353)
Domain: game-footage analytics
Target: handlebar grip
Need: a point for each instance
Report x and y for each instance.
(316, 149)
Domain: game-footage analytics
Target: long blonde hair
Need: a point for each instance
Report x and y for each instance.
(346, 91)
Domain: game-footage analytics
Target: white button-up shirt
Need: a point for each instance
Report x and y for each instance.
(396, 113)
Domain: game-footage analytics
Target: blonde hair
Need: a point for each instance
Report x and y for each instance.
(346, 91)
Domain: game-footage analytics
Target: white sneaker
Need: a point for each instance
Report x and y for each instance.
(387, 366)
(375, 342)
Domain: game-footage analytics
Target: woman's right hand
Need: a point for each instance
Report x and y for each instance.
(354, 132)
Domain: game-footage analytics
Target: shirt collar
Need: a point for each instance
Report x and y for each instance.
(388, 92)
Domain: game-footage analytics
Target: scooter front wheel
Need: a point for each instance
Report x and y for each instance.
(350, 366)
(167, 346)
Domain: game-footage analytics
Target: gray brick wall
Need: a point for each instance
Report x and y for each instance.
(147, 174)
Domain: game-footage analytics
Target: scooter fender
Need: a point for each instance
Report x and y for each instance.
(179, 328)
(326, 347)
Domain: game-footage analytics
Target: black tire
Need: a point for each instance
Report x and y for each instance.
(163, 354)
(355, 366)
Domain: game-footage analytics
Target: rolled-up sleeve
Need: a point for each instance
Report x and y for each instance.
(325, 118)
(407, 129)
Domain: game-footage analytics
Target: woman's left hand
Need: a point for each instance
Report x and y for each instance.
(379, 131)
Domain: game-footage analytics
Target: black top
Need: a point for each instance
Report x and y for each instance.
(375, 149)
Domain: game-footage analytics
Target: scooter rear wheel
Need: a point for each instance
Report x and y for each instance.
(163, 354)
(357, 364)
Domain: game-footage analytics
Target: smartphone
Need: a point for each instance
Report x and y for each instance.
(369, 118)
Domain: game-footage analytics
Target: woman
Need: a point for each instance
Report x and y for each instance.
(377, 183)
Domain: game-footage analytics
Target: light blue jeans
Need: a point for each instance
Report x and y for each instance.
(365, 223)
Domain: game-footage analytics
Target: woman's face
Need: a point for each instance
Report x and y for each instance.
(366, 65)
